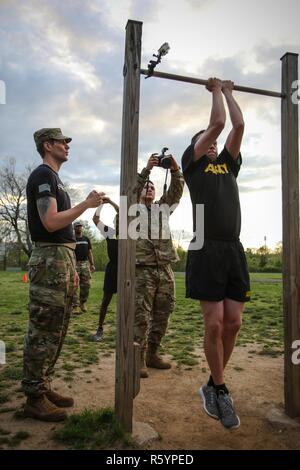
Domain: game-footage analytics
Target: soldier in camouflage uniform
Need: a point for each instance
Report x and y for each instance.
(52, 274)
(84, 267)
(155, 286)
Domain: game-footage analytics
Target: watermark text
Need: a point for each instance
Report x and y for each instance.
(2, 92)
(2, 353)
(296, 353)
(295, 94)
(152, 222)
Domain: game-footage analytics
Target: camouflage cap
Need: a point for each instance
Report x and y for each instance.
(47, 133)
(78, 224)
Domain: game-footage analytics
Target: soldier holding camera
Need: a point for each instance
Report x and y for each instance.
(154, 254)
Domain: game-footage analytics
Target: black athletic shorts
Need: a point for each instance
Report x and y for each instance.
(218, 271)
(111, 278)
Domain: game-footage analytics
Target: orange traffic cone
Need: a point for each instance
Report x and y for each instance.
(24, 278)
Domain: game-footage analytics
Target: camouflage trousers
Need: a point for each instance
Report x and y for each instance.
(154, 302)
(51, 274)
(84, 274)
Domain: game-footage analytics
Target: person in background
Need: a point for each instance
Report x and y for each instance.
(84, 266)
(155, 284)
(110, 285)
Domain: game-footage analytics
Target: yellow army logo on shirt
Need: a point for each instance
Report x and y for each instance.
(217, 169)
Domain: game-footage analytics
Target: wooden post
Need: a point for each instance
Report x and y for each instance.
(290, 221)
(126, 260)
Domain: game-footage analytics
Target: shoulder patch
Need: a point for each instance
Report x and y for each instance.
(44, 187)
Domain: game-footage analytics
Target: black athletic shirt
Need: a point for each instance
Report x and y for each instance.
(83, 245)
(213, 183)
(45, 182)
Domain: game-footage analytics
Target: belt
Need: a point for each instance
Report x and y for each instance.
(71, 246)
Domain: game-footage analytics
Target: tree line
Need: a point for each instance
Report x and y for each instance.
(16, 245)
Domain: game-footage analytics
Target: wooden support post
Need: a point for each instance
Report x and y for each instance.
(126, 260)
(290, 221)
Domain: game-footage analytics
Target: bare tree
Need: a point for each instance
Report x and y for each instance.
(75, 194)
(13, 209)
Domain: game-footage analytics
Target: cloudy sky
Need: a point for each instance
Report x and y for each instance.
(62, 62)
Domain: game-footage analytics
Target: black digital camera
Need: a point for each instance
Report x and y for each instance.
(164, 161)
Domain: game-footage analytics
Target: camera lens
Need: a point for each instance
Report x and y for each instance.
(166, 163)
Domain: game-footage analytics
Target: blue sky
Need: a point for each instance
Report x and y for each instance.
(62, 66)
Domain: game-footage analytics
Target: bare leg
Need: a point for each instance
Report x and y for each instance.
(231, 325)
(104, 306)
(213, 344)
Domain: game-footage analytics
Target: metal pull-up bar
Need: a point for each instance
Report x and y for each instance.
(200, 81)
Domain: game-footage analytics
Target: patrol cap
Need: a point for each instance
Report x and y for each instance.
(48, 133)
(78, 224)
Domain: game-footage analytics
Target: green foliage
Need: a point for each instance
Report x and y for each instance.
(180, 265)
(100, 255)
(262, 260)
(12, 373)
(4, 398)
(12, 441)
(93, 430)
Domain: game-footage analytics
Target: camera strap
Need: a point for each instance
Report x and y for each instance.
(147, 185)
(165, 185)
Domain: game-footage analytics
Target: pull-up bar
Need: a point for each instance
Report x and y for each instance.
(199, 81)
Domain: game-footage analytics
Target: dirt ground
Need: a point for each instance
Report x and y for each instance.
(169, 402)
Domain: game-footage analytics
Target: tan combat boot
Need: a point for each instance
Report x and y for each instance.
(76, 310)
(83, 307)
(59, 400)
(41, 408)
(154, 360)
(143, 369)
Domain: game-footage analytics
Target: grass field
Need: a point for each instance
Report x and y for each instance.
(262, 324)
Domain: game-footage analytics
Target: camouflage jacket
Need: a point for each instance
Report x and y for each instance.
(155, 246)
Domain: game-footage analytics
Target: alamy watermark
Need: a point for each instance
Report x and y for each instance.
(296, 353)
(295, 94)
(2, 353)
(155, 222)
(2, 92)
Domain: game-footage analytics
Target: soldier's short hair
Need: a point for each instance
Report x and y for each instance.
(40, 147)
(149, 181)
(195, 137)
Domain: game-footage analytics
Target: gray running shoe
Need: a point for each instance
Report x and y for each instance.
(209, 397)
(99, 335)
(228, 416)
